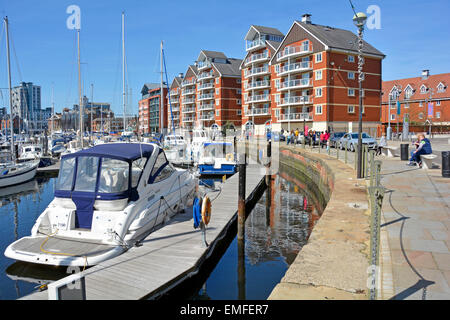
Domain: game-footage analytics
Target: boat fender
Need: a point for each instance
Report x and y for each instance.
(206, 210)
(229, 157)
(196, 212)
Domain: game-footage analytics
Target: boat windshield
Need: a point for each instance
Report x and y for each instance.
(218, 150)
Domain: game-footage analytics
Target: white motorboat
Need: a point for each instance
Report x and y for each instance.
(195, 148)
(30, 152)
(217, 158)
(107, 199)
(15, 173)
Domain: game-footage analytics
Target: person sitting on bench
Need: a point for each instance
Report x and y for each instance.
(423, 148)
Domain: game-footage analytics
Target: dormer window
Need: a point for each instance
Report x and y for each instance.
(423, 89)
(441, 87)
(408, 92)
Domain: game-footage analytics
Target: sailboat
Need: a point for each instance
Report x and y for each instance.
(12, 173)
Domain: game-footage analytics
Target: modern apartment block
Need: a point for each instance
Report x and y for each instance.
(219, 95)
(424, 101)
(26, 103)
(188, 98)
(257, 85)
(149, 108)
(315, 77)
(174, 104)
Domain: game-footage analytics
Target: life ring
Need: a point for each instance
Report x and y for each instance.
(229, 157)
(206, 210)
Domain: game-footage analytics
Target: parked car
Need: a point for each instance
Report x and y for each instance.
(275, 136)
(351, 141)
(334, 138)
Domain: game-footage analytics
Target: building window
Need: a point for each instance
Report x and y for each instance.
(277, 98)
(217, 113)
(421, 105)
(318, 57)
(319, 109)
(408, 92)
(351, 109)
(351, 75)
(319, 75)
(217, 91)
(277, 83)
(351, 58)
(238, 81)
(423, 89)
(277, 113)
(393, 116)
(217, 102)
(351, 92)
(217, 80)
(441, 87)
(421, 115)
(438, 103)
(239, 112)
(318, 92)
(238, 101)
(277, 68)
(438, 115)
(363, 110)
(238, 91)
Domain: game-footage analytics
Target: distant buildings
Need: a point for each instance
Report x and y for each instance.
(70, 118)
(424, 101)
(149, 108)
(26, 104)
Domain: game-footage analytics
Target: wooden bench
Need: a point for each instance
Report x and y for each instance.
(427, 160)
(389, 151)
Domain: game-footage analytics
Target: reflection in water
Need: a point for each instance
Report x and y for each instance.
(275, 231)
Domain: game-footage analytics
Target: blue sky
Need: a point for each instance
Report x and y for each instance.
(413, 36)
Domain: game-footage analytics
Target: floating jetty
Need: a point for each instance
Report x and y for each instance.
(171, 254)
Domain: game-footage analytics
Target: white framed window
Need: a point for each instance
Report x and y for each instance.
(408, 92)
(351, 75)
(278, 98)
(392, 116)
(238, 101)
(238, 91)
(351, 109)
(441, 87)
(239, 112)
(318, 57)
(277, 113)
(351, 92)
(238, 81)
(217, 91)
(351, 58)
(319, 75)
(217, 113)
(318, 92)
(423, 89)
(277, 68)
(217, 102)
(277, 83)
(217, 80)
(319, 109)
(438, 114)
(438, 103)
(421, 104)
(406, 105)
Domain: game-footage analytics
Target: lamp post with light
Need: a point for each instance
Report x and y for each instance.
(359, 19)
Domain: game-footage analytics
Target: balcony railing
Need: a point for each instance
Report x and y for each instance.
(188, 83)
(258, 98)
(188, 101)
(295, 84)
(207, 117)
(174, 92)
(257, 84)
(188, 92)
(188, 110)
(295, 117)
(206, 106)
(257, 57)
(295, 67)
(209, 85)
(257, 112)
(296, 100)
(188, 119)
(205, 75)
(250, 45)
(203, 65)
(207, 96)
(293, 51)
(256, 71)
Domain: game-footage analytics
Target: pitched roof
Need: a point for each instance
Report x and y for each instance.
(212, 54)
(268, 30)
(149, 86)
(432, 83)
(336, 38)
(229, 69)
(176, 82)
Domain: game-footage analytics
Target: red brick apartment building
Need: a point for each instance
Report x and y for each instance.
(314, 79)
(174, 104)
(188, 98)
(149, 108)
(415, 95)
(258, 106)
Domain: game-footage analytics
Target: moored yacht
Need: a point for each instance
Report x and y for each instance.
(107, 199)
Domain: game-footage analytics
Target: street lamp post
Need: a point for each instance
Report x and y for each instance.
(359, 20)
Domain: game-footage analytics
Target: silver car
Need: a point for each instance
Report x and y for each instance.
(350, 140)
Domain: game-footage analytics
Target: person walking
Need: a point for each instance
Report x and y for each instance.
(382, 144)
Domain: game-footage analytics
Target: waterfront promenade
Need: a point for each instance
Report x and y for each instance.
(415, 232)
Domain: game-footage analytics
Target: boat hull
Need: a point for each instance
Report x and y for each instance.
(24, 175)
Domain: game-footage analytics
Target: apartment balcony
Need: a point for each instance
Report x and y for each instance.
(257, 71)
(258, 98)
(175, 101)
(255, 44)
(188, 119)
(174, 117)
(257, 112)
(188, 83)
(207, 117)
(294, 51)
(296, 100)
(295, 84)
(206, 106)
(188, 110)
(257, 85)
(260, 57)
(202, 65)
(292, 117)
(174, 93)
(188, 92)
(205, 75)
(295, 68)
(207, 96)
(205, 86)
(188, 101)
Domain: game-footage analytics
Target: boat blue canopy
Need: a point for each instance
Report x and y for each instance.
(121, 151)
(217, 144)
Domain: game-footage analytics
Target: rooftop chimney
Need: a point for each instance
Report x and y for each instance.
(181, 75)
(306, 18)
(425, 74)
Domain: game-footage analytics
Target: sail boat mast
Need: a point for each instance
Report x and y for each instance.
(81, 109)
(161, 112)
(123, 72)
(11, 121)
